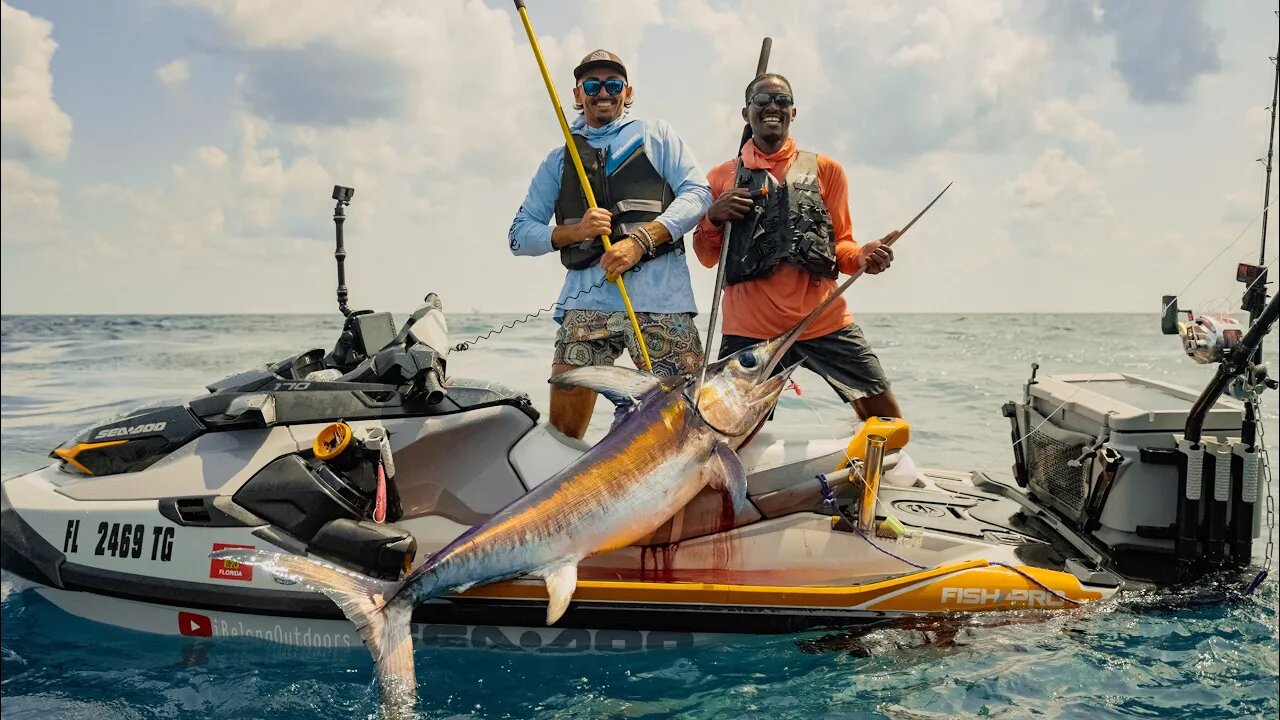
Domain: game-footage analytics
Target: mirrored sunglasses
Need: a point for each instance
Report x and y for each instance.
(613, 86)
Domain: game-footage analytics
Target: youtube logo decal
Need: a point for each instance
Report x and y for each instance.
(193, 625)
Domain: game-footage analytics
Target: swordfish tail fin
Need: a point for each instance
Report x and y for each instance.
(381, 616)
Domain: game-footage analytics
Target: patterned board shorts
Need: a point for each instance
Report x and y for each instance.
(843, 358)
(598, 337)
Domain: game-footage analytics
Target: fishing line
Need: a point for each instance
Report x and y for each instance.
(1221, 252)
(507, 326)
(862, 479)
(829, 496)
(1032, 578)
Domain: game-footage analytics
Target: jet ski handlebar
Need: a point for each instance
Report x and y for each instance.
(369, 344)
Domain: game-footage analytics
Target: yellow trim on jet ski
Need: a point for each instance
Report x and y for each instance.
(70, 454)
(895, 431)
(331, 441)
(966, 586)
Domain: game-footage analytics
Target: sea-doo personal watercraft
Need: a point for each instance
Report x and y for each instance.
(378, 452)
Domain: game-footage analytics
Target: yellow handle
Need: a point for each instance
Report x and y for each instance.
(582, 174)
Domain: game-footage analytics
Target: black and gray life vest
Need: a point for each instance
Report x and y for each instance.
(624, 182)
(789, 222)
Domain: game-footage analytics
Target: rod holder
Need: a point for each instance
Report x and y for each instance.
(871, 470)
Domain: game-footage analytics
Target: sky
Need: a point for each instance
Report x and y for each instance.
(178, 157)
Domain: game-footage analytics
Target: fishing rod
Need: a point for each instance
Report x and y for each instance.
(590, 196)
(1271, 142)
(1202, 514)
(762, 65)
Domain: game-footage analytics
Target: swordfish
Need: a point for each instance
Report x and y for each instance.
(670, 438)
(660, 452)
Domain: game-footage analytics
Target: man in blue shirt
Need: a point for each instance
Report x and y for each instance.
(650, 194)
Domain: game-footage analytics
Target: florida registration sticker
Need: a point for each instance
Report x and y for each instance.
(230, 569)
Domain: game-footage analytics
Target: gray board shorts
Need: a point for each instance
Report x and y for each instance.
(843, 358)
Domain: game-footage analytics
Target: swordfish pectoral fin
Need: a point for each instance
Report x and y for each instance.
(561, 581)
(724, 472)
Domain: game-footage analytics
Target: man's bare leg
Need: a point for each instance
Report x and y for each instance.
(882, 405)
(570, 406)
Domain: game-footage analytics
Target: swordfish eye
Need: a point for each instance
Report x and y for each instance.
(748, 359)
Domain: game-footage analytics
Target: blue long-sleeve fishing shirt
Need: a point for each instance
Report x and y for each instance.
(660, 284)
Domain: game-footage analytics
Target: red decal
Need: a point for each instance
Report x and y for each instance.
(794, 386)
(194, 625)
(230, 569)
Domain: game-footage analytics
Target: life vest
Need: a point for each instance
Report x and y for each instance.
(788, 222)
(624, 182)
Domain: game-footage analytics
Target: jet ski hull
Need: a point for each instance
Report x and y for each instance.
(780, 575)
(610, 616)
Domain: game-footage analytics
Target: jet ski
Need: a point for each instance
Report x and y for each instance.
(376, 453)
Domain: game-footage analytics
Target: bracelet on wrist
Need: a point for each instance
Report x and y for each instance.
(646, 240)
(635, 237)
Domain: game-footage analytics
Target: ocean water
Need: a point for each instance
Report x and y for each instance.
(1133, 658)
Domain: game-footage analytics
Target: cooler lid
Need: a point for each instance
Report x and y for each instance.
(1134, 403)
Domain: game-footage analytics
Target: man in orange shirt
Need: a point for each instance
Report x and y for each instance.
(790, 239)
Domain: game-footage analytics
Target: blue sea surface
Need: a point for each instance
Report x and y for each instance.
(1132, 657)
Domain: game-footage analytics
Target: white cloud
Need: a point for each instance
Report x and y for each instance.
(918, 53)
(438, 176)
(30, 120)
(175, 74)
(890, 82)
(29, 205)
(1058, 185)
(1063, 120)
(436, 114)
(212, 156)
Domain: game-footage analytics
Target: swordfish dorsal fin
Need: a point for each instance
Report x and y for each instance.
(724, 471)
(561, 581)
(623, 387)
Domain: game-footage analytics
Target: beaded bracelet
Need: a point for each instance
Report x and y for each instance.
(646, 240)
(638, 240)
(644, 249)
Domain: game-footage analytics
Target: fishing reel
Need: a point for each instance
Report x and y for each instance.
(1208, 338)
(1205, 338)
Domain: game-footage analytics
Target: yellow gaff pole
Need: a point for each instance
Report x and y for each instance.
(582, 173)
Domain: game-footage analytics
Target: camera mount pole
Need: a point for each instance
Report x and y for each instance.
(343, 196)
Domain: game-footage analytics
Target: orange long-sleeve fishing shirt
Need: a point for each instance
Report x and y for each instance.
(768, 306)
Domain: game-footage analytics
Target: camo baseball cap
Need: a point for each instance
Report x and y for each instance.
(599, 58)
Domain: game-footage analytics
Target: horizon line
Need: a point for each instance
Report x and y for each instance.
(521, 312)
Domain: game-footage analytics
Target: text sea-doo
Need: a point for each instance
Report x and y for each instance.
(1121, 482)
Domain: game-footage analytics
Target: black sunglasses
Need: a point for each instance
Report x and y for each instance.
(613, 86)
(782, 100)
